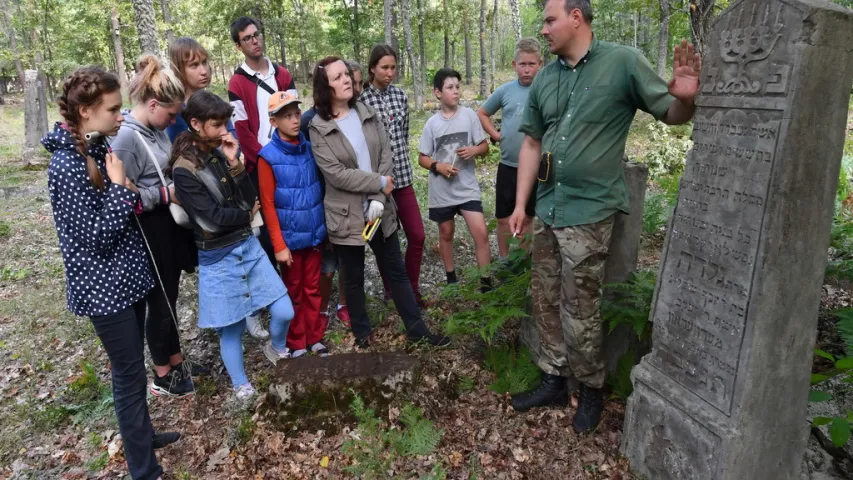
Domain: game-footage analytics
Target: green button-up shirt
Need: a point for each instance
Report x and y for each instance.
(582, 114)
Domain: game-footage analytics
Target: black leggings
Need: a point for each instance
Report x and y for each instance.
(166, 242)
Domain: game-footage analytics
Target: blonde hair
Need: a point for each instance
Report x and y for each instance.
(154, 79)
(528, 45)
(182, 51)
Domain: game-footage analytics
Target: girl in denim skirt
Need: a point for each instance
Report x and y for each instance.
(235, 276)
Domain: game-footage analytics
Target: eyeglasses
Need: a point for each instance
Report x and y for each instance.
(255, 36)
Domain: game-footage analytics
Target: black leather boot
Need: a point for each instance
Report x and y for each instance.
(552, 391)
(590, 405)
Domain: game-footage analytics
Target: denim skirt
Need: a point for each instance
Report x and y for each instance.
(239, 284)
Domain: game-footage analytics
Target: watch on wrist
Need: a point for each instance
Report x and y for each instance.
(434, 167)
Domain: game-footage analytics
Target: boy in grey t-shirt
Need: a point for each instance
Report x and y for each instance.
(451, 141)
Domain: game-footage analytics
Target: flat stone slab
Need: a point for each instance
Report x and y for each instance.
(318, 388)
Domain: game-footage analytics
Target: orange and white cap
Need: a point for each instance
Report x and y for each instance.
(279, 100)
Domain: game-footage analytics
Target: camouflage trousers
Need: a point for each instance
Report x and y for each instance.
(568, 270)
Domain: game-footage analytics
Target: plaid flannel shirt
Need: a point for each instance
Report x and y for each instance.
(392, 105)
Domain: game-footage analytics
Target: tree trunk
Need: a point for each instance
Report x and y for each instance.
(701, 13)
(417, 77)
(222, 67)
(445, 18)
(467, 39)
(2, 90)
(663, 37)
(452, 53)
(388, 14)
(167, 19)
(516, 18)
(146, 27)
(283, 50)
(13, 42)
(122, 75)
(483, 72)
(492, 47)
(421, 48)
(355, 31)
(395, 44)
(41, 83)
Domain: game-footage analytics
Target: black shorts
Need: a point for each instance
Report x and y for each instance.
(505, 193)
(443, 214)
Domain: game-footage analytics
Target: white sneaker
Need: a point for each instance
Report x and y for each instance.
(274, 355)
(299, 353)
(245, 391)
(256, 329)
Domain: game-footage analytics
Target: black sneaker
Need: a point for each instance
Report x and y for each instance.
(590, 405)
(173, 384)
(432, 339)
(551, 392)
(363, 343)
(191, 369)
(164, 439)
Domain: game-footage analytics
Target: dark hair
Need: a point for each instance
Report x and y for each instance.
(181, 52)
(323, 92)
(241, 24)
(583, 5)
(202, 106)
(85, 87)
(442, 75)
(379, 51)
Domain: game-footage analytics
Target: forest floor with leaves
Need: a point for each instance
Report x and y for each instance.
(56, 411)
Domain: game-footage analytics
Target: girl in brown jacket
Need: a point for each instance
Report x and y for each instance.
(352, 150)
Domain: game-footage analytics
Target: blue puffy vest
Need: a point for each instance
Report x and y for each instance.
(298, 192)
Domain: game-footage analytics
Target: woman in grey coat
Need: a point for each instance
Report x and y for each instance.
(352, 150)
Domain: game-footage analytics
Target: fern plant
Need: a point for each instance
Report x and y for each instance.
(374, 450)
(630, 303)
(514, 369)
(420, 436)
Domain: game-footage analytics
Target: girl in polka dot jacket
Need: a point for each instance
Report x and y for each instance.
(106, 271)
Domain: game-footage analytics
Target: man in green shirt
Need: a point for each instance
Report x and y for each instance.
(579, 110)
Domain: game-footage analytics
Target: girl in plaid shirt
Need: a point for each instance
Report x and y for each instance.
(392, 105)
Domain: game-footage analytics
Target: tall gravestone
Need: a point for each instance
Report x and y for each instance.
(723, 393)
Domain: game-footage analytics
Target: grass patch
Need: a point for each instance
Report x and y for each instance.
(5, 230)
(98, 463)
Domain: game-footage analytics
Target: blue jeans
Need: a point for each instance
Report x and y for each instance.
(122, 335)
(231, 339)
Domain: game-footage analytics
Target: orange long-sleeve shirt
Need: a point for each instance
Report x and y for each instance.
(266, 184)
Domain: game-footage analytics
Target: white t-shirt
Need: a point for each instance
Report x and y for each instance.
(350, 126)
(263, 97)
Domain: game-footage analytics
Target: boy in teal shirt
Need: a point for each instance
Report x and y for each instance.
(511, 98)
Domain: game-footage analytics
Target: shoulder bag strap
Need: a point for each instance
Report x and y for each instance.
(152, 157)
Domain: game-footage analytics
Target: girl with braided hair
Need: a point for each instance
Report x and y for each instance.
(106, 271)
(157, 95)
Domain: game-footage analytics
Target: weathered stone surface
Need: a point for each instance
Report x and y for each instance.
(624, 251)
(722, 395)
(311, 387)
(35, 113)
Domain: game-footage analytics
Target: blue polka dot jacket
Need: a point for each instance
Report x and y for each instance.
(106, 267)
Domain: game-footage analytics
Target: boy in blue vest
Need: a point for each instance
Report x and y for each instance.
(291, 194)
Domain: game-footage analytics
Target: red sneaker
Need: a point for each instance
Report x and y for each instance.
(343, 315)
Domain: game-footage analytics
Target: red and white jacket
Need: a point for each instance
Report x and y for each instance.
(242, 93)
